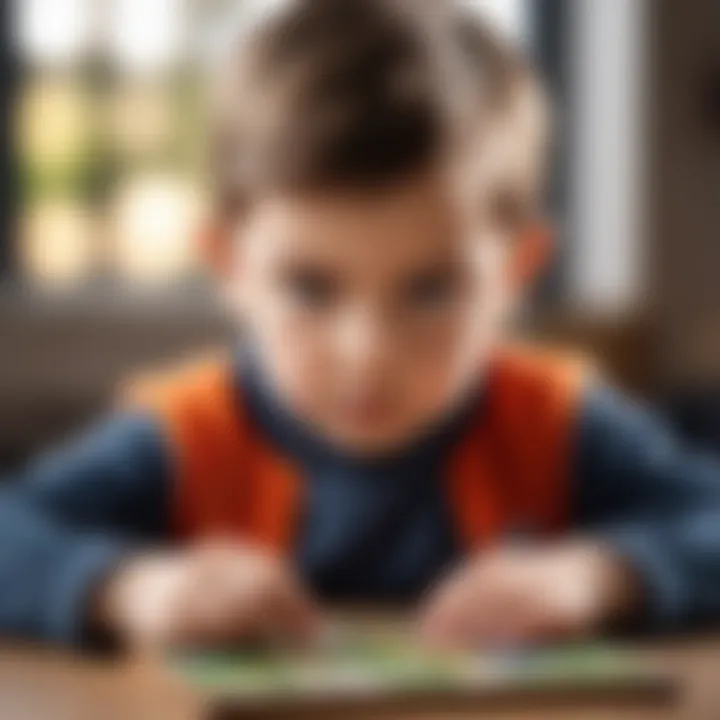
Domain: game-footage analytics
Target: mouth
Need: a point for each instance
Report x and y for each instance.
(369, 410)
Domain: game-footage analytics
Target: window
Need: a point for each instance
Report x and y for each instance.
(7, 185)
(512, 16)
(108, 139)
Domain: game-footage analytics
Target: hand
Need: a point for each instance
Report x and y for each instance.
(533, 594)
(211, 595)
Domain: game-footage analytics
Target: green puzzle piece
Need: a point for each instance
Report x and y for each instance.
(387, 661)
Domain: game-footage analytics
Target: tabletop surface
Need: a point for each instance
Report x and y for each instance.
(42, 685)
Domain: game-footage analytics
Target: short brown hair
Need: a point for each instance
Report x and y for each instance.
(360, 93)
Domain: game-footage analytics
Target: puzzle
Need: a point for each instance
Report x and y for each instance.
(353, 664)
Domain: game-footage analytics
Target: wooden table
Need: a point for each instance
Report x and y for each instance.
(46, 686)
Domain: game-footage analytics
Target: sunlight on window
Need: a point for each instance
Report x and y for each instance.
(59, 243)
(140, 119)
(54, 122)
(155, 224)
(512, 16)
(54, 31)
(147, 36)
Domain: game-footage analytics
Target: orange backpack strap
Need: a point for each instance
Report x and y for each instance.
(512, 471)
(228, 480)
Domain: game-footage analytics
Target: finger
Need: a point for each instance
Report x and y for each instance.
(202, 619)
(487, 606)
(446, 622)
(507, 611)
(220, 600)
(290, 614)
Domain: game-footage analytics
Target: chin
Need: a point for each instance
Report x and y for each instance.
(373, 442)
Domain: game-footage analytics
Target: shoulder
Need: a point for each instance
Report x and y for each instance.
(615, 426)
(197, 402)
(523, 376)
(196, 382)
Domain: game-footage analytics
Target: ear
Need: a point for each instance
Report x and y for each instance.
(534, 252)
(216, 248)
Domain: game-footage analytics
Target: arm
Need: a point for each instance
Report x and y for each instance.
(655, 503)
(70, 519)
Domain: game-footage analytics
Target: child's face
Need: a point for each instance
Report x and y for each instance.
(372, 315)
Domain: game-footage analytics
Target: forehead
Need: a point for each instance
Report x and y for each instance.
(415, 219)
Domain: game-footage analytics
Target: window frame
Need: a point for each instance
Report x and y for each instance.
(550, 28)
(8, 168)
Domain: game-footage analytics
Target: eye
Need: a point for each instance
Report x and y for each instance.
(311, 288)
(432, 291)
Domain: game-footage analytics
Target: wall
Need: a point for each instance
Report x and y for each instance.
(685, 173)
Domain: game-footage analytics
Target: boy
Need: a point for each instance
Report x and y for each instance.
(378, 173)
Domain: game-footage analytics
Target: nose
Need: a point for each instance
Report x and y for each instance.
(364, 340)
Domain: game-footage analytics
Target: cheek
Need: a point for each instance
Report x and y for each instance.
(446, 366)
(453, 349)
(290, 347)
(295, 363)
(293, 354)
(492, 292)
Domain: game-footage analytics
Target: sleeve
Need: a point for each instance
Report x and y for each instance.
(71, 518)
(655, 502)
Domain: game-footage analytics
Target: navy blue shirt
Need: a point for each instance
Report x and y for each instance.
(371, 529)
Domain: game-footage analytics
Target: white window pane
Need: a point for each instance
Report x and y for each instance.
(511, 16)
(156, 218)
(147, 35)
(52, 32)
(607, 154)
(54, 122)
(58, 243)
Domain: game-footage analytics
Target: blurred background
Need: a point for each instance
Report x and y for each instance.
(101, 169)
